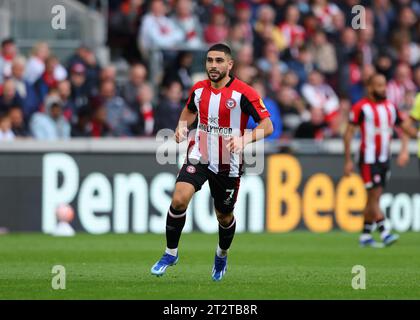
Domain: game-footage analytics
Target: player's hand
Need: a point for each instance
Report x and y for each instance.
(235, 144)
(403, 159)
(181, 134)
(348, 168)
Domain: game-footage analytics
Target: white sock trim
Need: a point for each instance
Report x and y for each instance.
(220, 252)
(365, 236)
(176, 216)
(233, 222)
(384, 234)
(172, 252)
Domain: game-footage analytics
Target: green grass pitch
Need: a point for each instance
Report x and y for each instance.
(297, 265)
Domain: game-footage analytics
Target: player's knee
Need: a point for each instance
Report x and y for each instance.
(225, 219)
(180, 202)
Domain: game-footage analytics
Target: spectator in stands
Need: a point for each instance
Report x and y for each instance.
(339, 23)
(292, 109)
(80, 92)
(319, 94)
(181, 71)
(30, 101)
(271, 59)
(18, 123)
(203, 8)
(236, 38)
(302, 65)
(9, 97)
(6, 133)
(84, 55)
(217, 30)
(416, 77)
(145, 111)
(357, 90)
(108, 73)
(246, 73)
(245, 55)
(406, 21)
(123, 20)
(8, 53)
(273, 82)
(35, 66)
(157, 31)
(51, 124)
(169, 108)
(293, 33)
(243, 20)
(265, 29)
(400, 84)
(118, 115)
(47, 80)
(324, 53)
(315, 128)
(347, 46)
(64, 92)
(384, 65)
(290, 79)
(325, 12)
(384, 16)
(346, 51)
(407, 50)
(82, 128)
(365, 44)
(99, 124)
(137, 77)
(272, 108)
(188, 23)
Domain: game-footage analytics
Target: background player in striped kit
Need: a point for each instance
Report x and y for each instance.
(376, 116)
(222, 105)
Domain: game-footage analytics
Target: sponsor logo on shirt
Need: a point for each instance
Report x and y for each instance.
(220, 131)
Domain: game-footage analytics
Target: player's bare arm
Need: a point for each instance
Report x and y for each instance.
(186, 119)
(404, 155)
(348, 136)
(238, 144)
(409, 128)
(409, 131)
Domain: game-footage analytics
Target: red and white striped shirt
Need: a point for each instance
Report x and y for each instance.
(376, 121)
(222, 113)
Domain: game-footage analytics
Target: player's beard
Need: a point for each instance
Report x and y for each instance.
(379, 96)
(220, 77)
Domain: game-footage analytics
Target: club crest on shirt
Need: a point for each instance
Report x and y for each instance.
(230, 103)
(191, 169)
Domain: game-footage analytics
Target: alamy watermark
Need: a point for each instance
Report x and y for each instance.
(211, 147)
(359, 280)
(58, 281)
(58, 21)
(359, 20)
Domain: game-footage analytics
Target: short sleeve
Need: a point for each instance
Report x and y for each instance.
(191, 104)
(253, 105)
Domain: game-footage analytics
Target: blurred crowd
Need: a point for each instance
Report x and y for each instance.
(308, 59)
